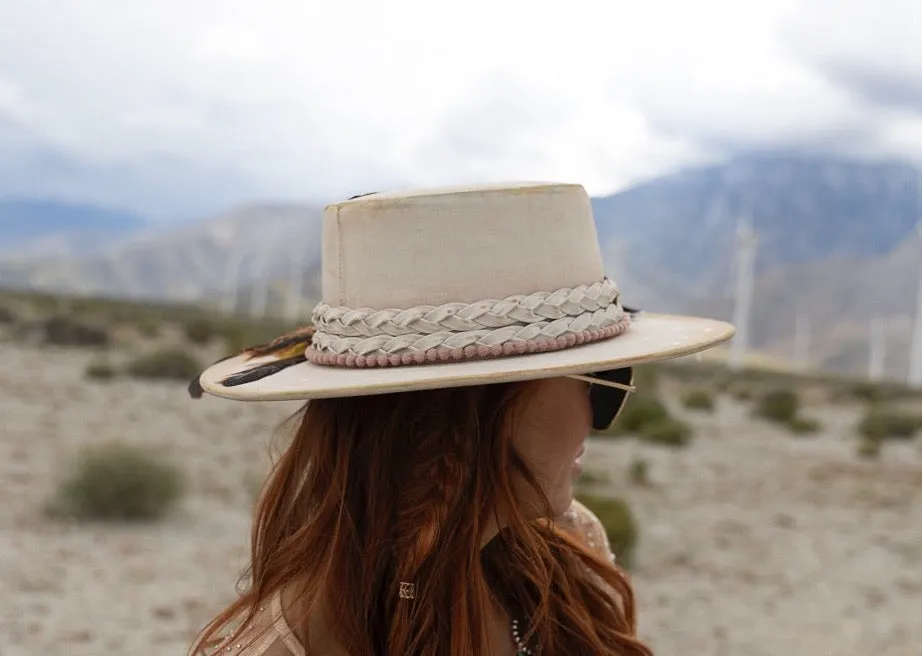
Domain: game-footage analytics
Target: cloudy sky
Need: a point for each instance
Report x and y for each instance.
(184, 107)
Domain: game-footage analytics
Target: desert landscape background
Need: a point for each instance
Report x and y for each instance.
(164, 169)
(759, 512)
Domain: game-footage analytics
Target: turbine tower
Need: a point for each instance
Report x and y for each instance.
(124, 283)
(232, 279)
(199, 280)
(801, 339)
(295, 282)
(877, 352)
(262, 282)
(746, 243)
(915, 355)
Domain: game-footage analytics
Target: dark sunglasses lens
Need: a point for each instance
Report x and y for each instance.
(607, 401)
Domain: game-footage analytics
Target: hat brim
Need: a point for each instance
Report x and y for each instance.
(651, 337)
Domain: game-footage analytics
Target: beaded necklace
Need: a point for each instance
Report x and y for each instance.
(521, 648)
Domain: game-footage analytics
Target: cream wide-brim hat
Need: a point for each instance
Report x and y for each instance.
(459, 286)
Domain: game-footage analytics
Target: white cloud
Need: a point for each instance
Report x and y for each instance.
(316, 100)
(885, 34)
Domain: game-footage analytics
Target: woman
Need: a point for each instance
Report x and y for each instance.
(425, 505)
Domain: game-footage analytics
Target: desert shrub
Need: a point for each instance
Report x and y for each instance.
(865, 391)
(723, 383)
(640, 410)
(592, 477)
(168, 363)
(868, 448)
(238, 337)
(743, 393)
(200, 331)
(148, 328)
(638, 472)
(803, 425)
(778, 405)
(6, 315)
(881, 423)
(239, 334)
(66, 331)
(667, 432)
(647, 377)
(699, 399)
(100, 371)
(118, 482)
(620, 525)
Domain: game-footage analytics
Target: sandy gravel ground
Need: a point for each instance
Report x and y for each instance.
(754, 542)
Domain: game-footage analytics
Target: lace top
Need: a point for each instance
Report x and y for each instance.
(270, 634)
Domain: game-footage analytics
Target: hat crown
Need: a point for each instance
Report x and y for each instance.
(458, 245)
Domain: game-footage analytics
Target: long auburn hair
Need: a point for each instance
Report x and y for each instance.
(378, 490)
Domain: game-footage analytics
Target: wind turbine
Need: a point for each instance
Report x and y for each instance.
(295, 281)
(260, 299)
(199, 283)
(915, 355)
(745, 278)
(124, 278)
(232, 279)
(801, 339)
(877, 351)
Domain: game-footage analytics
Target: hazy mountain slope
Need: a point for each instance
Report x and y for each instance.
(838, 297)
(202, 259)
(47, 227)
(681, 228)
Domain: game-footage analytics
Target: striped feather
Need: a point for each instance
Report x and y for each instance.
(261, 371)
(286, 350)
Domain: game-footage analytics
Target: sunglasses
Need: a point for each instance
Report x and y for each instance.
(607, 394)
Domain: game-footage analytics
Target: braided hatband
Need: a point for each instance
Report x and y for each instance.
(542, 321)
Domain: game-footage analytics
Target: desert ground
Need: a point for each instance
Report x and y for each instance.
(753, 541)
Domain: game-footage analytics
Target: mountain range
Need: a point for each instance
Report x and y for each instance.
(803, 209)
(836, 249)
(836, 246)
(188, 262)
(33, 227)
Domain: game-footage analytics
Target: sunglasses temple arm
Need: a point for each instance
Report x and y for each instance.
(604, 383)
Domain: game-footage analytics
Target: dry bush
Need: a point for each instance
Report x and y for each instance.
(200, 331)
(743, 393)
(118, 482)
(639, 411)
(803, 425)
(7, 315)
(620, 525)
(668, 432)
(66, 331)
(639, 472)
(100, 371)
(884, 423)
(779, 405)
(699, 399)
(593, 477)
(165, 364)
(148, 328)
(868, 448)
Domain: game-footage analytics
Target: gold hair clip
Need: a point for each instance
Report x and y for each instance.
(407, 590)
